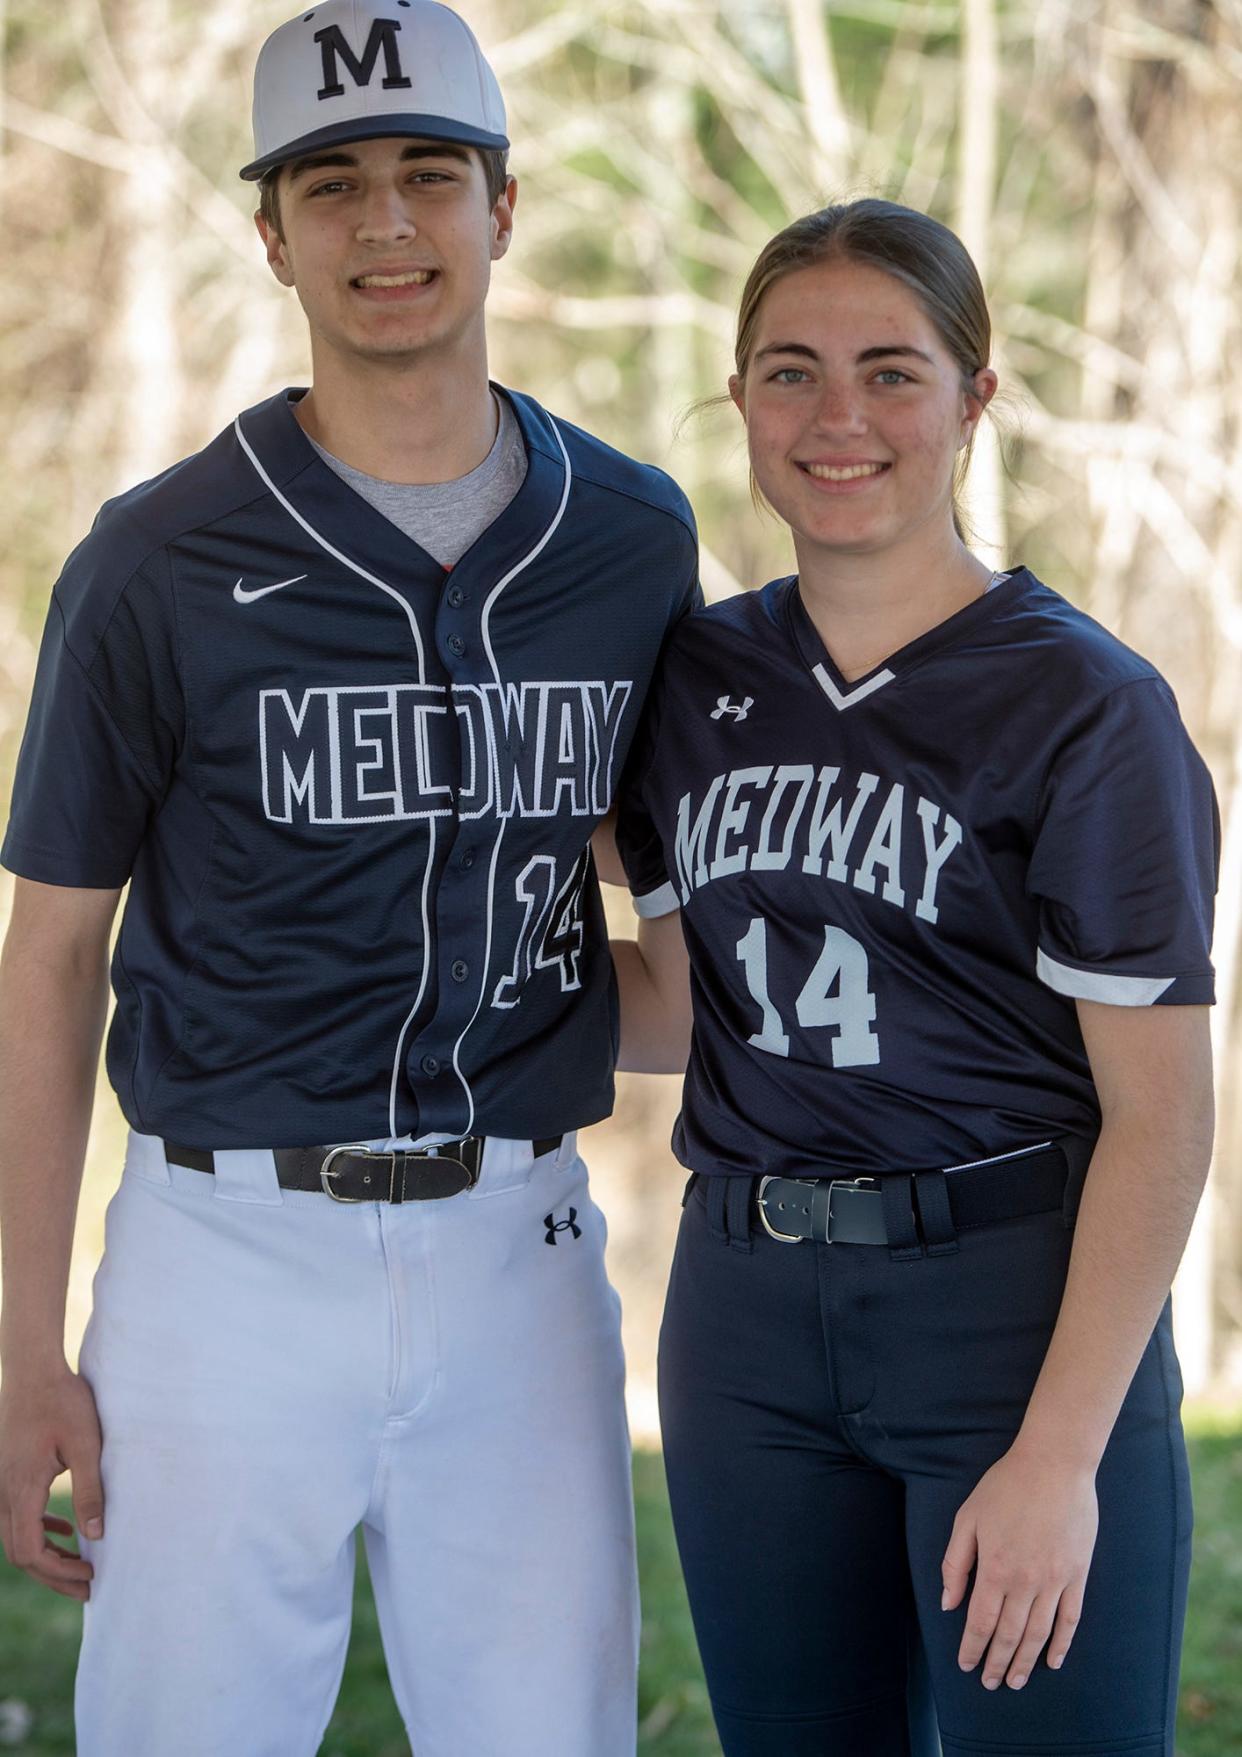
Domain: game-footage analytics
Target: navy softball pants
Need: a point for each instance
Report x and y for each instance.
(826, 1409)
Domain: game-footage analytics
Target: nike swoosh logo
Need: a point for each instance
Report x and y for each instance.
(244, 597)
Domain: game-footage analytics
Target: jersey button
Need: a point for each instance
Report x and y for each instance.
(460, 970)
(467, 859)
(457, 646)
(430, 1065)
(456, 597)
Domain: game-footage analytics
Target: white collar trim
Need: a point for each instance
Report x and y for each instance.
(847, 698)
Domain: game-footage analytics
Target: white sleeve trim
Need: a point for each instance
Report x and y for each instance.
(1101, 985)
(661, 902)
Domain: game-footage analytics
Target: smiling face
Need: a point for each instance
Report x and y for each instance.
(389, 245)
(855, 409)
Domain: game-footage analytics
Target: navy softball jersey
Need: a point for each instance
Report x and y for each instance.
(894, 889)
(352, 792)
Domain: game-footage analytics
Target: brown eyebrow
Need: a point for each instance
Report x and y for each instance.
(898, 350)
(349, 161)
(798, 348)
(901, 351)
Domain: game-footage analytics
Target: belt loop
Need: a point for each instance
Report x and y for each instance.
(716, 1190)
(1077, 1154)
(728, 1211)
(247, 1175)
(737, 1212)
(145, 1158)
(897, 1193)
(931, 1191)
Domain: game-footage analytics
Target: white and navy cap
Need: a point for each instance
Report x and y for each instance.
(359, 69)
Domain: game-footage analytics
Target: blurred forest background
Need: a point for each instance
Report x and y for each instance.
(1088, 151)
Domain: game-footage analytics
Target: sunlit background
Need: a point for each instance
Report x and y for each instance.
(1090, 155)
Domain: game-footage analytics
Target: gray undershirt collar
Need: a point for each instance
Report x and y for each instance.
(446, 518)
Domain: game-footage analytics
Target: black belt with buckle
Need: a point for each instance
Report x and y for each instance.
(850, 1210)
(366, 1174)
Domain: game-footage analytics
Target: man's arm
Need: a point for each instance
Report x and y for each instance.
(53, 1002)
(1029, 1527)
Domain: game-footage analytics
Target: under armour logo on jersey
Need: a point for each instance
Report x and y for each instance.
(725, 705)
(554, 1226)
(332, 42)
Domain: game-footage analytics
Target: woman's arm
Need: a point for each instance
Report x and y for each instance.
(608, 867)
(653, 974)
(1029, 1527)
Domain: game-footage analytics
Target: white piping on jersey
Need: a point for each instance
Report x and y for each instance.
(998, 1158)
(330, 548)
(492, 596)
(526, 560)
(372, 579)
(422, 981)
(850, 696)
(1100, 985)
(487, 959)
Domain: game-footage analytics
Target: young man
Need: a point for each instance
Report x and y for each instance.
(342, 698)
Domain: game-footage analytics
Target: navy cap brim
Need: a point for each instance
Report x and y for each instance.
(377, 128)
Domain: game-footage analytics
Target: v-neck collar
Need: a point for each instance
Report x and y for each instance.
(847, 694)
(340, 518)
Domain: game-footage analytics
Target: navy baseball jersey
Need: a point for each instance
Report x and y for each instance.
(352, 792)
(894, 889)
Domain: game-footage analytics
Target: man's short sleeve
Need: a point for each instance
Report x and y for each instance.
(105, 723)
(1125, 858)
(692, 598)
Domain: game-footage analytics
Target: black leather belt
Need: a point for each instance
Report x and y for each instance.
(364, 1174)
(851, 1210)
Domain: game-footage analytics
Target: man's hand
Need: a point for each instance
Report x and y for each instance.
(47, 1427)
(1028, 1530)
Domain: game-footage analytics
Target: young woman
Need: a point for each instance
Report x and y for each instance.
(944, 860)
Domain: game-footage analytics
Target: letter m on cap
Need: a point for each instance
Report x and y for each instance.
(332, 43)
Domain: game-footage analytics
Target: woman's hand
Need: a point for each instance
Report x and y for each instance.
(1028, 1530)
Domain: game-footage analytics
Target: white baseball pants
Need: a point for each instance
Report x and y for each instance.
(274, 1370)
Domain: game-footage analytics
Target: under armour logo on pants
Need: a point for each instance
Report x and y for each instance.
(554, 1226)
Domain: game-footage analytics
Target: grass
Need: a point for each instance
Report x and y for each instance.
(38, 1637)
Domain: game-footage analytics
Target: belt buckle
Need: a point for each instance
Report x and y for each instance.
(326, 1174)
(785, 1238)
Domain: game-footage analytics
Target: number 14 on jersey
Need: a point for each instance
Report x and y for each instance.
(834, 995)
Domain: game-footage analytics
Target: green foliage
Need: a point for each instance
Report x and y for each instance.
(38, 1635)
(1211, 1697)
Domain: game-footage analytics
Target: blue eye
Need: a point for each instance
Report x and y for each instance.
(789, 375)
(890, 375)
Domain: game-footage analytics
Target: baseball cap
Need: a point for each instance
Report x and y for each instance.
(359, 69)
